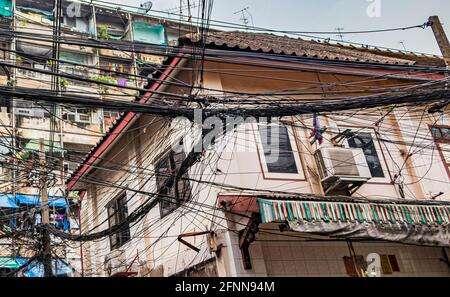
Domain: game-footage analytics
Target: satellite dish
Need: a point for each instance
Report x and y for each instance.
(147, 6)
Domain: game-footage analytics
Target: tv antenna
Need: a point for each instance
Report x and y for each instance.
(340, 33)
(245, 16)
(146, 7)
(403, 44)
(182, 8)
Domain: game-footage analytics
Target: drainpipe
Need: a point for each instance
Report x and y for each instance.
(135, 70)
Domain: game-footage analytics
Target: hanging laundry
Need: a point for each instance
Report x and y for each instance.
(122, 82)
(317, 131)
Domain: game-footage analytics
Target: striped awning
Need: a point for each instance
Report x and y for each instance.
(49, 146)
(335, 212)
(9, 263)
(7, 201)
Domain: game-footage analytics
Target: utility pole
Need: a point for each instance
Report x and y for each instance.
(12, 82)
(441, 38)
(45, 213)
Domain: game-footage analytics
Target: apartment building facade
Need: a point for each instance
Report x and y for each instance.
(307, 212)
(29, 55)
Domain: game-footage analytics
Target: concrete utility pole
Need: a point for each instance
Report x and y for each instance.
(45, 214)
(12, 80)
(441, 38)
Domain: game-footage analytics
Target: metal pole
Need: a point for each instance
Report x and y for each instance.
(13, 117)
(46, 242)
(135, 70)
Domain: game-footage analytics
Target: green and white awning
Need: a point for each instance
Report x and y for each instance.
(423, 224)
(49, 146)
(9, 263)
(273, 211)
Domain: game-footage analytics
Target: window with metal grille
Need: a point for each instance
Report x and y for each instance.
(117, 215)
(173, 194)
(366, 143)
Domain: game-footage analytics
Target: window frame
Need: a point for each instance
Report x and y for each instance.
(178, 201)
(387, 179)
(300, 175)
(114, 203)
(437, 142)
(77, 113)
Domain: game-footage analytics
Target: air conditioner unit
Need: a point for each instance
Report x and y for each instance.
(82, 118)
(342, 164)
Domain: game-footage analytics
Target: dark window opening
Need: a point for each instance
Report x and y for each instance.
(6, 272)
(365, 142)
(177, 192)
(117, 215)
(441, 137)
(277, 148)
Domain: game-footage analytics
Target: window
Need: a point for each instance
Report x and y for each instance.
(177, 192)
(113, 115)
(365, 142)
(441, 137)
(69, 21)
(79, 115)
(280, 158)
(117, 214)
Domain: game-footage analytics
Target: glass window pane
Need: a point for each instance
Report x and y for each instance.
(365, 142)
(436, 133)
(277, 148)
(173, 195)
(445, 133)
(445, 149)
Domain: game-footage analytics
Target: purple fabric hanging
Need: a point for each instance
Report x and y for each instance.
(316, 133)
(122, 82)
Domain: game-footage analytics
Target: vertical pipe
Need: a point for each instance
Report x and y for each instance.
(135, 71)
(97, 62)
(81, 243)
(46, 241)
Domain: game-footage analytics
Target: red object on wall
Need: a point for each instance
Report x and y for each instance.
(237, 203)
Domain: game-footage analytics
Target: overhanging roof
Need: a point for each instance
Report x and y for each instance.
(405, 221)
(270, 43)
(56, 201)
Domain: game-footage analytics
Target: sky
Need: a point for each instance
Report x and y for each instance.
(327, 15)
